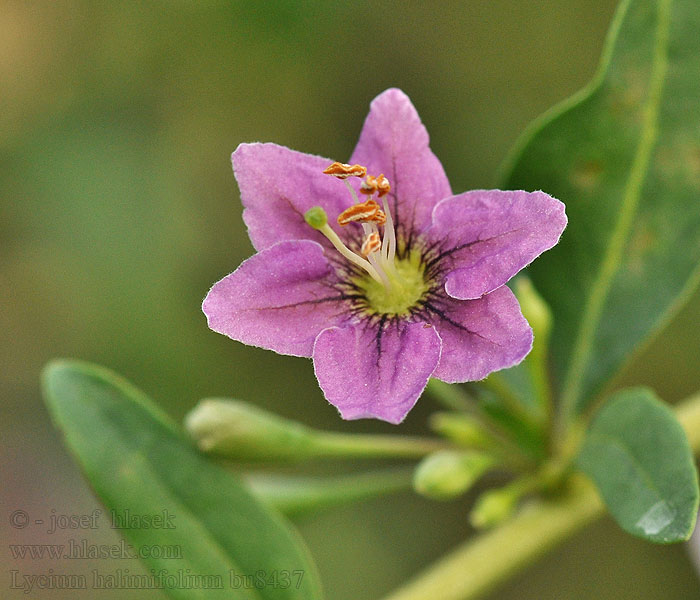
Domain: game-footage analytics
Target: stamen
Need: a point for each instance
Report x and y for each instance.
(380, 254)
(343, 171)
(368, 185)
(371, 244)
(365, 212)
(383, 186)
(351, 189)
(371, 185)
(380, 185)
(317, 218)
(389, 237)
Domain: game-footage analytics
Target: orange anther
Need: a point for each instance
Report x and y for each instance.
(371, 244)
(379, 185)
(383, 186)
(368, 185)
(365, 212)
(343, 171)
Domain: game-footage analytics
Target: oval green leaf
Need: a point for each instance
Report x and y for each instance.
(624, 156)
(637, 454)
(139, 464)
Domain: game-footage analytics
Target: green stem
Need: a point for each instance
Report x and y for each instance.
(536, 364)
(450, 396)
(329, 444)
(539, 315)
(293, 495)
(481, 564)
(498, 386)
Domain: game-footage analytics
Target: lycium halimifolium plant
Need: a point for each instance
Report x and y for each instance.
(397, 287)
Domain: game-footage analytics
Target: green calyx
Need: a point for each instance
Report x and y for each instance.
(407, 288)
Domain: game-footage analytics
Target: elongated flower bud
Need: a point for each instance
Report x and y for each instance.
(238, 430)
(243, 432)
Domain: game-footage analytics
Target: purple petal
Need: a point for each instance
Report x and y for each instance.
(395, 142)
(278, 186)
(488, 236)
(481, 336)
(279, 299)
(367, 375)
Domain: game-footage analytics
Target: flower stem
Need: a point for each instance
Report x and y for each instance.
(481, 564)
(539, 315)
(293, 495)
(498, 386)
(328, 444)
(451, 397)
(539, 374)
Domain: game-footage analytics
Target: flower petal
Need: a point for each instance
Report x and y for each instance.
(279, 299)
(480, 336)
(374, 372)
(278, 186)
(395, 142)
(488, 236)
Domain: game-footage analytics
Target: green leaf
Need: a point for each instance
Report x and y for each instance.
(138, 461)
(639, 457)
(624, 156)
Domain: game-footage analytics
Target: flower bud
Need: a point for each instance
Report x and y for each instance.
(447, 474)
(238, 430)
(494, 507)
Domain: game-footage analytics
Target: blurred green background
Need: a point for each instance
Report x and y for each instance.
(119, 210)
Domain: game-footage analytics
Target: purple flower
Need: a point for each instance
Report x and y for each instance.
(412, 286)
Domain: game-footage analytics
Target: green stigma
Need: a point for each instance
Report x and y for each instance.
(316, 217)
(407, 287)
